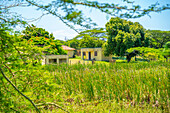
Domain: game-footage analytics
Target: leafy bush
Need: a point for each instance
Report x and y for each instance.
(166, 50)
(121, 61)
(148, 53)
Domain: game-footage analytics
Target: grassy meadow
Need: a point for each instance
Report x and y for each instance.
(99, 88)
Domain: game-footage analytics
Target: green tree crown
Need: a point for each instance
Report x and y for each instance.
(123, 34)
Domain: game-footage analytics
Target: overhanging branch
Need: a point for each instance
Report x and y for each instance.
(53, 13)
(19, 90)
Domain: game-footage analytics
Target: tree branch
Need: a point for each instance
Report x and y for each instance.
(6, 88)
(15, 110)
(14, 5)
(48, 103)
(53, 13)
(19, 91)
(37, 18)
(113, 7)
(10, 71)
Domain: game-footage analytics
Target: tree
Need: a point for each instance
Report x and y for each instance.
(123, 34)
(15, 53)
(87, 42)
(99, 33)
(20, 54)
(42, 38)
(158, 38)
(74, 43)
(166, 50)
(91, 38)
(32, 30)
(145, 52)
(88, 38)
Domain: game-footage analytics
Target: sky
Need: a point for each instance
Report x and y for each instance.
(157, 21)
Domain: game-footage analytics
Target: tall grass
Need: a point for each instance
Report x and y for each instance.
(104, 84)
(137, 83)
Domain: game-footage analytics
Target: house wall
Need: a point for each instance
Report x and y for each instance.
(54, 59)
(62, 60)
(100, 55)
(92, 50)
(43, 60)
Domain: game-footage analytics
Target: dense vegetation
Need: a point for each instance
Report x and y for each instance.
(87, 38)
(122, 35)
(133, 87)
(42, 38)
(148, 53)
(158, 38)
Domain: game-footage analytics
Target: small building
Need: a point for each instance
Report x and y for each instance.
(70, 51)
(54, 59)
(94, 53)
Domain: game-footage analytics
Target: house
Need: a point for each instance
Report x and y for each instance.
(94, 53)
(54, 59)
(70, 51)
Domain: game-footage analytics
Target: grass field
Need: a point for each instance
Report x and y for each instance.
(99, 88)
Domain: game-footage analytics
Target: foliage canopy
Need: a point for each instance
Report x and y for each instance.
(123, 34)
(41, 38)
(148, 53)
(166, 51)
(159, 38)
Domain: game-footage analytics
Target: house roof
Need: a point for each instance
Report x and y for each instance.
(67, 48)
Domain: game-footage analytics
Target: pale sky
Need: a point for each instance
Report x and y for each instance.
(158, 21)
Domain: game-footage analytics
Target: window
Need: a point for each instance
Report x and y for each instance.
(95, 53)
(52, 60)
(84, 54)
(55, 60)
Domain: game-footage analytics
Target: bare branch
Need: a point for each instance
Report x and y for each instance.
(48, 103)
(19, 90)
(53, 13)
(38, 18)
(7, 88)
(10, 71)
(3, 19)
(14, 5)
(113, 7)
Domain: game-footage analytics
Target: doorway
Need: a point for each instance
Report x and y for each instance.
(89, 55)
